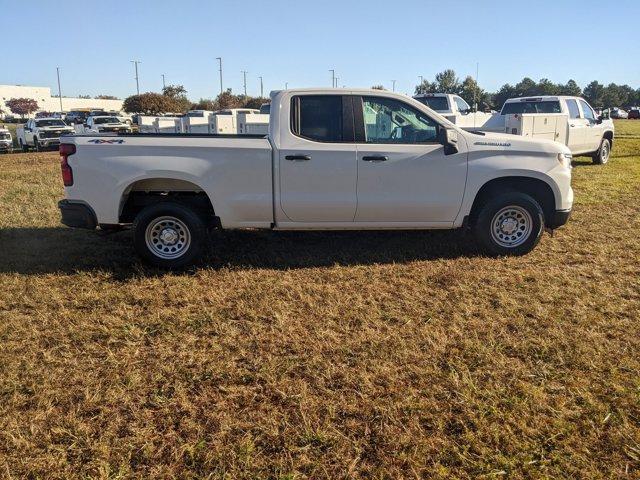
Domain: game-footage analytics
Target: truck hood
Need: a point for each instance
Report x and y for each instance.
(512, 143)
(56, 129)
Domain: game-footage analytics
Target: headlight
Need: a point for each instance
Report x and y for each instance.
(565, 159)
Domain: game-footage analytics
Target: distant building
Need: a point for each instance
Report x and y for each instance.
(47, 103)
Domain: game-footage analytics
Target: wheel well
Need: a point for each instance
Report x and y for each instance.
(609, 136)
(149, 191)
(535, 188)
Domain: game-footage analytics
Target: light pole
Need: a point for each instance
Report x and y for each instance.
(163, 84)
(136, 62)
(220, 70)
(421, 79)
(337, 78)
(286, 85)
(244, 73)
(333, 78)
(393, 89)
(261, 88)
(59, 90)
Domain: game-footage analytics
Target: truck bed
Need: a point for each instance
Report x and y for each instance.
(234, 170)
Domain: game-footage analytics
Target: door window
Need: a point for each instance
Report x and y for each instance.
(587, 111)
(387, 120)
(463, 106)
(318, 117)
(573, 109)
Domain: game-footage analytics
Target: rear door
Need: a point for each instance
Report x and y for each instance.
(577, 126)
(317, 161)
(403, 172)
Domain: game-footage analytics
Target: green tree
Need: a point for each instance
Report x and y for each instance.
(506, 91)
(447, 82)
(426, 87)
(148, 103)
(204, 104)
(473, 94)
(594, 93)
(178, 96)
(571, 88)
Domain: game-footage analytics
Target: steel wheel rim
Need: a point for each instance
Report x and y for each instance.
(168, 237)
(511, 226)
(604, 154)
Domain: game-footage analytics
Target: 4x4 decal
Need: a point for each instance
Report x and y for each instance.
(101, 141)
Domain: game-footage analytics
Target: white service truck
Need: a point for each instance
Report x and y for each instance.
(42, 133)
(455, 109)
(565, 119)
(324, 165)
(6, 141)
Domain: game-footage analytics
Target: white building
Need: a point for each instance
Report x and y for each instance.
(47, 103)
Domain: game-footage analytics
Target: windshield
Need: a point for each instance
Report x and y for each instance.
(106, 120)
(543, 106)
(50, 123)
(5, 135)
(195, 114)
(439, 104)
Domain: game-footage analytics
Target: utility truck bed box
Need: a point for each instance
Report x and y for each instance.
(551, 126)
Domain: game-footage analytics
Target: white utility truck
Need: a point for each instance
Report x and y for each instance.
(455, 109)
(568, 120)
(41, 133)
(323, 166)
(6, 141)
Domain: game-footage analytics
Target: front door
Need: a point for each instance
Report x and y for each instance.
(404, 174)
(317, 162)
(593, 130)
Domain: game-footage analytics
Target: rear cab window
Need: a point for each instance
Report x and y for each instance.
(320, 118)
(531, 106)
(439, 104)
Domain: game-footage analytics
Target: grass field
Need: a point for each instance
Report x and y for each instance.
(317, 355)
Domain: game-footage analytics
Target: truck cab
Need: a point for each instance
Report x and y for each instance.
(571, 120)
(455, 109)
(99, 124)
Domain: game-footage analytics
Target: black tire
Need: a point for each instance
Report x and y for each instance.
(183, 227)
(518, 221)
(601, 157)
(36, 145)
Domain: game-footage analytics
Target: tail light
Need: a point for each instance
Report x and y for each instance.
(66, 149)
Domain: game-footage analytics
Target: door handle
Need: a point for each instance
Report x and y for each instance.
(375, 158)
(297, 157)
(572, 125)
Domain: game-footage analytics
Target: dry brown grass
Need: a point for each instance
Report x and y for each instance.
(316, 355)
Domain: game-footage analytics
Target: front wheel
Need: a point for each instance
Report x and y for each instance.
(169, 235)
(510, 224)
(602, 155)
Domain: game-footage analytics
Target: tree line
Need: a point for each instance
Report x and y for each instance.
(597, 94)
(174, 99)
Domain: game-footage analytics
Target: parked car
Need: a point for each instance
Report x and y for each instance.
(42, 133)
(326, 164)
(634, 113)
(619, 113)
(6, 141)
(455, 109)
(566, 119)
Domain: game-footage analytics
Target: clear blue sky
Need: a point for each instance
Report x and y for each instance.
(367, 42)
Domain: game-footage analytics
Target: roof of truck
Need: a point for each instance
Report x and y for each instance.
(540, 98)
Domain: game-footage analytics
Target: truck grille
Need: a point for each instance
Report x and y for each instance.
(50, 134)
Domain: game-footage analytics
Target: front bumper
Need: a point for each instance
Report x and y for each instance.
(77, 215)
(5, 147)
(48, 142)
(559, 218)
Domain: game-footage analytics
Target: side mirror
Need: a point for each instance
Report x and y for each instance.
(449, 138)
(599, 119)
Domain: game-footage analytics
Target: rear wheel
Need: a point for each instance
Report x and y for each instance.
(510, 224)
(169, 235)
(602, 155)
(36, 145)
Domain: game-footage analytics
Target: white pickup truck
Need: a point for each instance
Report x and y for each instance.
(455, 109)
(104, 124)
(569, 120)
(327, 163)
(41, 133)
(6, 142)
